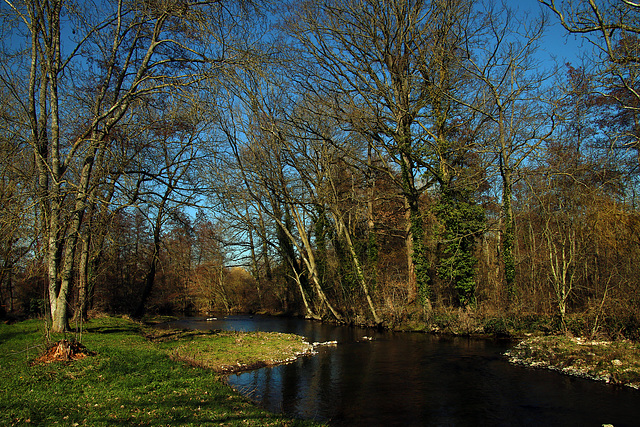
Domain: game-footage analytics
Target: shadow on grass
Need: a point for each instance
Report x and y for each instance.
(8, 334)
(112, 326)
(25, 331)
(111, 330)
(163, 335)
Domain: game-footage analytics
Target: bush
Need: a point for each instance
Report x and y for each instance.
(497, 326)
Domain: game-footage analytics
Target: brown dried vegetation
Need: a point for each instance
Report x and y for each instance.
(64, 351)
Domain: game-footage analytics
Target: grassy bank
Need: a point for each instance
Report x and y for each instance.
(610, 361)
(136, 377)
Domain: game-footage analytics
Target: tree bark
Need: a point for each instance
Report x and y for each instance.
(342, 229)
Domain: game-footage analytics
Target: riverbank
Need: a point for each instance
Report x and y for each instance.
(616, 362)
(541, 343)
(134, 375)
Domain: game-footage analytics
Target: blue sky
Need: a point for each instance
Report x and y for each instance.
(556, 42)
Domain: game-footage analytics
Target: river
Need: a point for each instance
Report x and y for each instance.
(388, 378)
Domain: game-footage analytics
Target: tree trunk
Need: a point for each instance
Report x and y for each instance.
(265, 245)
(151, 273)
(508, 233)
(307, 306)
(562, 264)
(254, 265)
(508, 238)
(57, 293)
(345, 232)
(83, 280)
(149, 279)
(417, 263)
(310, 261)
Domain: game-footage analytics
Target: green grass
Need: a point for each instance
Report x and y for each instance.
(132, 380)
(236, 351)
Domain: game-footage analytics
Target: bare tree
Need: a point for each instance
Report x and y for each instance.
(613, 29)
(16, 217)
(508, 97)
(389, 70)
(289, 186)
(167, 175)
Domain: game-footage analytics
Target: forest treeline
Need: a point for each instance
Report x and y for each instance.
(350, 160)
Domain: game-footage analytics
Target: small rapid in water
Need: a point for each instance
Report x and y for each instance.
(383, 378)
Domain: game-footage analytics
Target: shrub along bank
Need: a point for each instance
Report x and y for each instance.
(132, 375)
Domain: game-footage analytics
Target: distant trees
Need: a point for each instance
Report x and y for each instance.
(166, 179)
(16, 219)
(600, 140)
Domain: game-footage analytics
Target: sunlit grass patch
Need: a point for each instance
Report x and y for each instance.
(236, 351)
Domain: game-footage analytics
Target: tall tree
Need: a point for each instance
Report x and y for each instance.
(16, 219)
(387, 68)
(291, 194)
(514, 116)
(322, 157)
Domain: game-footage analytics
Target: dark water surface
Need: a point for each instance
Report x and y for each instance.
(410, 379)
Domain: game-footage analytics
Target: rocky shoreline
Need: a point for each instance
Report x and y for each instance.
(614, 362)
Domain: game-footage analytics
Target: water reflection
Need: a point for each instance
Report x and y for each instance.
(419, 379)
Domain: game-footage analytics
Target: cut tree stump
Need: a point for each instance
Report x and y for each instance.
(64, 351)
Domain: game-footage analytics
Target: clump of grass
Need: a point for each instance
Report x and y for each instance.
(611, 361)
(131, 380)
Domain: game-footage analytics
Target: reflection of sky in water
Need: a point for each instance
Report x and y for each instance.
(419, 379)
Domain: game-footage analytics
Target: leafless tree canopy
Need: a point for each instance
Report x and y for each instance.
(354, 160)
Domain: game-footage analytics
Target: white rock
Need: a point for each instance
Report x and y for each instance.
(326, 343)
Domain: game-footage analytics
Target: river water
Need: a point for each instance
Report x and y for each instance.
(374, 378)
